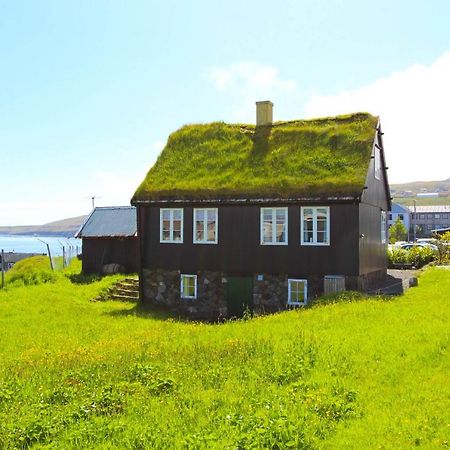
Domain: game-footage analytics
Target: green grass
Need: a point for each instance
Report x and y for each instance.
(320, 156)
(354, 374)
(408, 201)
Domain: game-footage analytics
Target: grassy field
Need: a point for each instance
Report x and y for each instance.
(361, 374)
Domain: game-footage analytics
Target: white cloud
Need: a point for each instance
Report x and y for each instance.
(247, 82)
(413, 107)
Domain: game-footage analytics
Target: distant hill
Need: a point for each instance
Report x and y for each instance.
(65, 227)
(406, 193)
(416, 186)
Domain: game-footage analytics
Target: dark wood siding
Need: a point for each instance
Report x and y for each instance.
(376, 192)
(98, 252)
(372, 253)
(239, 251)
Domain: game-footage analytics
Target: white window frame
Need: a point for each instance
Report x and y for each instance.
(274, 227)
(171, 240)
(302, 226)
(383, 227)
(290, 290)
(205, 226)
(182, 276)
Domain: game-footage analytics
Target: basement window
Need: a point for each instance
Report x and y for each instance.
(297, 292)
(171, 225)
(274, 225)
(205, 225)
(315, 225)
(188, 286)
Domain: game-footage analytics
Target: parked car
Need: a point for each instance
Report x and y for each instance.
(409, 246)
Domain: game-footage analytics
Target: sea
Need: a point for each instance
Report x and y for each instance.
(37, 244)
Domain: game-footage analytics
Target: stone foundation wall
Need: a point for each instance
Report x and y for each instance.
(162, 288)
(270, 292)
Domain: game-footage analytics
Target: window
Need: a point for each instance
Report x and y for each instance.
(383, 227)
(437, 216)
(274, 225)
(297, 292)
(429, 216)
(188, 286)
(390, 216)
(400, 216)
(445, 216)
(205, 226)
(315, 226)
(171, 225)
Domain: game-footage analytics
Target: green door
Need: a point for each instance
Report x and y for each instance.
(239, 295)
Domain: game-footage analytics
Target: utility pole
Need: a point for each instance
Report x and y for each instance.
(415, 220)
(3, 269)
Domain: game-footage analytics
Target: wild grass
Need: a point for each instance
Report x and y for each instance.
(320, 156)
(350, 373)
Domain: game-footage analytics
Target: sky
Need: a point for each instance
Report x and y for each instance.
(90, 90)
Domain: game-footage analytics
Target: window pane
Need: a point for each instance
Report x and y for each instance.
(166, 214)
(297, 291)
(177, 235)
(267, 230)
(200, 215)
(166, 235)
(281, 225)
(321, 225)
(166, 225)
(322, 237)
(211, 214)
(177, 214)
(211, 231)
(199, 234)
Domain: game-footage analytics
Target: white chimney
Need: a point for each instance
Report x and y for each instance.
(264, 113)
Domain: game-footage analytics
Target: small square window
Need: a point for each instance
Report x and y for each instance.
(188, 286)
(297, 292)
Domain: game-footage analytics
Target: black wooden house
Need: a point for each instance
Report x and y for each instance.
(235, 216)
(110, 241)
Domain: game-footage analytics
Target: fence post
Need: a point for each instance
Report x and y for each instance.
(3, 269)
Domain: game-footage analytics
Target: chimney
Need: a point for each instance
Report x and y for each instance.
(264, 113)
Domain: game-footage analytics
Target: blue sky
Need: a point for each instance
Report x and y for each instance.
(90, 90)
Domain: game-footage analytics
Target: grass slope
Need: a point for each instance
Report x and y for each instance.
(364, 374)
(308, 157)
(408, 201)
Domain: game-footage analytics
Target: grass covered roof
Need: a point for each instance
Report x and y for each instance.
(327, 156)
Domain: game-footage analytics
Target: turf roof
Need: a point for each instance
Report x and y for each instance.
(327, 156)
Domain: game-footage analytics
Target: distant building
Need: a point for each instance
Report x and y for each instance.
(109, 237)
(403, 213)
(12, 258)
(427, 194)
(428, 218)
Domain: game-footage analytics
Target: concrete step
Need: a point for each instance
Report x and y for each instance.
(129, 286)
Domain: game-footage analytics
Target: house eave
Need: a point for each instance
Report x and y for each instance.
(252, 201)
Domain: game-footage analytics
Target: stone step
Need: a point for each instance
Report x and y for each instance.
(127, 292)
(129, 286)
(123, 298)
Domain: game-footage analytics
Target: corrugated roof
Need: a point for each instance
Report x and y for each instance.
(110, 221)
(431, 209)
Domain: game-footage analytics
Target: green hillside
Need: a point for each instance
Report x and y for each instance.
(361, 374)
